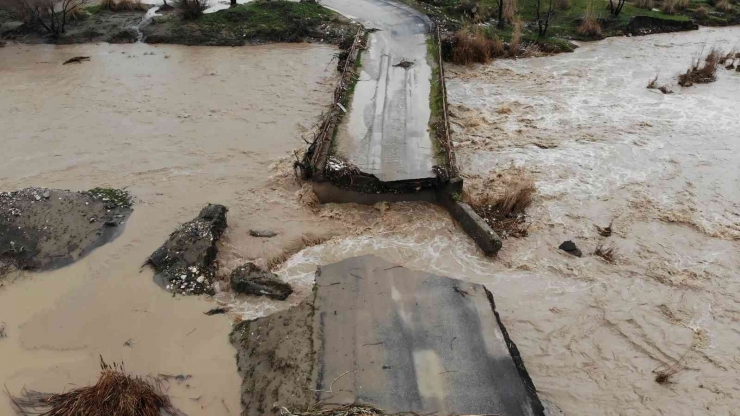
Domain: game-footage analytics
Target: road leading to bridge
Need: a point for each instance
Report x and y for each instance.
(386, 132)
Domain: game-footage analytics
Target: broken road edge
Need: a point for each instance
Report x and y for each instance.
(338, 182)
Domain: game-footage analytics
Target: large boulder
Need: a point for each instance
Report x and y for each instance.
(186, 261)
(249, 279)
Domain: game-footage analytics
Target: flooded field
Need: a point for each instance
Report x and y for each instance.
(187, 126)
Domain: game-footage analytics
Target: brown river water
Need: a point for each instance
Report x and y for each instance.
(187, 126)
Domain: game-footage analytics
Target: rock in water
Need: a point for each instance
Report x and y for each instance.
(571, 248)
(252, 280)
(186, 261)
(262, 233)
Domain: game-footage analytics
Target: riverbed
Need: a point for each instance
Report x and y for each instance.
(187, 126)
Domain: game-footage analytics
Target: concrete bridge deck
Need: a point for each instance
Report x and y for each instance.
(386, 131)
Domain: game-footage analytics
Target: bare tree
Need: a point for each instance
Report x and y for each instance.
(543, 25)
(52, 15)
(500, 14)
(615, 9)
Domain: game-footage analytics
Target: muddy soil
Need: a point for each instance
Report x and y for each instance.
(43, 229)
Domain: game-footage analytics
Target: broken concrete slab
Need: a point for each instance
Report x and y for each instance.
(383, 335)
(185, 263)
(42, 229)
(250, 279)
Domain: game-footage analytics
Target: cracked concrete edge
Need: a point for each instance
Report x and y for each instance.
(446, 195)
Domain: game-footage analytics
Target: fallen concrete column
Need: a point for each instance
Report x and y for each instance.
(383, 335)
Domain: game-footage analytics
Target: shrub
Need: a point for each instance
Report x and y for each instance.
(724, 5)
(590, 25)
(191, 9)
(701, 71)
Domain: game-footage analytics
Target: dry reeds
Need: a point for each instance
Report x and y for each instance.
(590, 25)
(516, 38)
(115, 393)
(644, 4)
(682, 4)
(653, 84)
(669, 6)
(701, 71)
(506, 214)
(472, 47)
(724, 5)
(608, 253)
(509, 10)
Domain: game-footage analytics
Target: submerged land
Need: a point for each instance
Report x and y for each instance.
(617, 210)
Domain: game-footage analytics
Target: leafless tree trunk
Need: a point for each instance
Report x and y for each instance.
(501, 14)
(543, 25)
(614, 10)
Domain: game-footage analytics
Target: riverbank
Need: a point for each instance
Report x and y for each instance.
(522, 36)
(257, 22)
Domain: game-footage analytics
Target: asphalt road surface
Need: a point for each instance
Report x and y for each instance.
(386, 133)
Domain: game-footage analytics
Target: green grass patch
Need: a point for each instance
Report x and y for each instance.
(256, 22)
(436, 103)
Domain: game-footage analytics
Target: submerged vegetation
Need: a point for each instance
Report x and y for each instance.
(505, 211)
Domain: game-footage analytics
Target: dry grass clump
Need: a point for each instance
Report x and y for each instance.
(724, 5)
(505, 212)
(516, 38)
(304, 242)
(701, 11)
(590, 25)
(644, 4)
(472, 47)
(669, 6)
(115, 394)
(682, 4)
(608, 253)
(701, 71)
(509, 10)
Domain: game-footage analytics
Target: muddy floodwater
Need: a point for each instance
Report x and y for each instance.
(178, 127)
(600, 147)
(187, 126)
